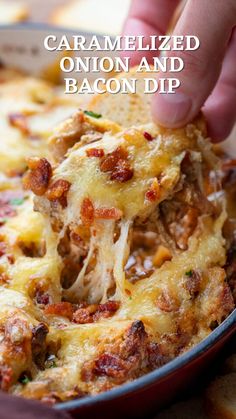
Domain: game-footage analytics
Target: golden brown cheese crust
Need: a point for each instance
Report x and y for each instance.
(123, 269)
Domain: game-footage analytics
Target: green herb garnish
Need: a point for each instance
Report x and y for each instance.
(25, 379)
(93, 114)
(52, 364)
(17, 201)
(189, 273)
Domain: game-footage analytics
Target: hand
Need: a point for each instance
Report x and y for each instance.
(208, 79)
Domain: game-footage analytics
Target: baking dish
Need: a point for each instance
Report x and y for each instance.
(22, 47)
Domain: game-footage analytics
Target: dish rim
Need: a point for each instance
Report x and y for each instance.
(150, 378)
(172, 366)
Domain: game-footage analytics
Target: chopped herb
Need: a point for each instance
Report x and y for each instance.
(189, 273)
(130, 297)
(52, 364)
(93, 114)
(24, 379)
(17, 201)
(51, 361)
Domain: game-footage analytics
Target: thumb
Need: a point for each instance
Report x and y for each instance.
(212, 23)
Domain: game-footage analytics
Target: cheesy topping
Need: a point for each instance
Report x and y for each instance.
(119, 263)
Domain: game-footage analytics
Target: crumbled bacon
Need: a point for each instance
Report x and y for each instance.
(110, 365)
(153, 193)
(87, 211)
(11, 259)
(166, 302)
(122, 172)
(156, 357)
(63, 309)
(193, 283)
(4, 278)
(38, 177)
(95, 152)
(123, 359)
(42, 298)
(108, 213)
(116, 163)
(18, 120)
(148, 136)
(57, 192)
(110, 161)
(93, 312)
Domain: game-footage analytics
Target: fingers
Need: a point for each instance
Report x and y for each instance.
(149, 17)
(212, 22)
(220, 107)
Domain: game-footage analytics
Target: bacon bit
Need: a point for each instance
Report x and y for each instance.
(38, 177)
(84, 315)
(167, 303)
(42, 298)
(6, 377)
(11, 259)
(111, 159)
(95, 152)
(4, 278)
(116, 163)
(18, 120)
(93, 312)
(148, 136)
(153, 194)
(110, 365)
(122, 172)
(193, 282)
(122, 359)
(156, 357)
(162, 254)
(128, 292)
(87, 211)
(63, 309)
(57, 192)
(108, 213)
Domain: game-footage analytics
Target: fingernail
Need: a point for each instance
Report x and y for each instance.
(171, 109)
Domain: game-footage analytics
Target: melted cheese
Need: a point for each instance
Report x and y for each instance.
(102, 276)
